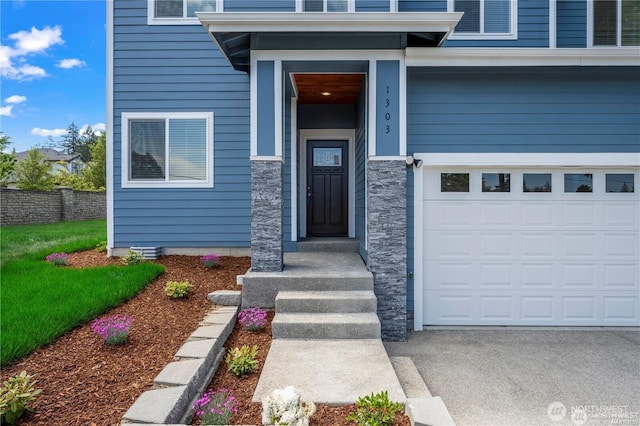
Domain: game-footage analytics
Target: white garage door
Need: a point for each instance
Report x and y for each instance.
(538, 246)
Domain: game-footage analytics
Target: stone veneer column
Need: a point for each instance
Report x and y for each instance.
(267, 205)
(387, 243)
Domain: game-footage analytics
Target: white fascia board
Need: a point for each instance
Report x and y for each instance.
(110, 146)
(469, 57)
(596, 159)
(330, 22)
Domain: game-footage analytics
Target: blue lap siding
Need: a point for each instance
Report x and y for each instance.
(177, 69)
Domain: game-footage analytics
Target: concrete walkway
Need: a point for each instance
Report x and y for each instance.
(332, 372)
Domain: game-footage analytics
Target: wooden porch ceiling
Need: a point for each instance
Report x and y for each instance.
(327, 89)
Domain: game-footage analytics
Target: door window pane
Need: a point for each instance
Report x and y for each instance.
(620, 182)
(327, 157)
(536, 182)
(454, 182)
(577, 182)
(496, 182)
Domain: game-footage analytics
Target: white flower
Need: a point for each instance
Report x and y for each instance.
(283, 408)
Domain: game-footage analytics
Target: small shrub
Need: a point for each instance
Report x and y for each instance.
(243, 360)
(15, 396)
(58, 259)
(113, 329)
(375, 410)
(253, 319)
(210, 260)
(133, 258)
(216, 408)
(101, 247)
(283, 408)
(177, 289)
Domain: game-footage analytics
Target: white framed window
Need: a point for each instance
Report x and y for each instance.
(167, 150)
(485, 19)
(325, 6)
(614, 23)
(179, 12)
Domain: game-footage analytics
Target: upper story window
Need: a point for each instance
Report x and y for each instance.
(180, 11)
(485, 19)
(325, 6)
(165, 150)
(616, 23)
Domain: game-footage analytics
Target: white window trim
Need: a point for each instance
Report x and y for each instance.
(127, 183)
(511, 35)
(591, 23)
(351, 7)
(185, 20)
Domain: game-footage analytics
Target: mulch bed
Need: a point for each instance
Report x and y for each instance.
(86, 382)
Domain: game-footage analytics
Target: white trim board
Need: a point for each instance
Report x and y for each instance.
(480, 56)
(325, 134)
(110, 145)
(596, 159)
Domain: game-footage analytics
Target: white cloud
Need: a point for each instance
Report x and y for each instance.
(15, 99)
(6, 110)
(27, 43)
(36, 41)
(71, 63)
(97, 128)
(48, 132)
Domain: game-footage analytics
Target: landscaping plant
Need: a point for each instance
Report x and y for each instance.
(177, 289)
(113, 329)
(216, 408)
(15, 396)
(375, 410)
(101, 247)
(242, 360)
(253, 319)
(58, 259)
(283, 408)
(210, 260)
(132, 258)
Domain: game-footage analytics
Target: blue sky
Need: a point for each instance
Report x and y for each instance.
(53, 68)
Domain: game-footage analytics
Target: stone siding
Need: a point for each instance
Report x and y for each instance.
(387, 243)
(19, 207)
(267, 212)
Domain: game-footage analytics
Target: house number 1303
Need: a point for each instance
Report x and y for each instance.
(387, 115)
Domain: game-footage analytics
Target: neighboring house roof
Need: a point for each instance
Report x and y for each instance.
(51, 154)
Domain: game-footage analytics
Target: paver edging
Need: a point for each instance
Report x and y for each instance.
(182, 381)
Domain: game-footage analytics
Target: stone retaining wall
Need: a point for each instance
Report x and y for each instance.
(18, 207)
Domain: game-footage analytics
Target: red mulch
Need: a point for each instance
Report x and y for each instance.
(86, 382)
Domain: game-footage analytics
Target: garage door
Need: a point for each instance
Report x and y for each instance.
(538, 246)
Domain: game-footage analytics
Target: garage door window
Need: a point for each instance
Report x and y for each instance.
(536, 182)
(496, 182)
(620, 182)
(576, 182)
(454, 182)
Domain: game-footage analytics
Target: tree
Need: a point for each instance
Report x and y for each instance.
(95, 173)
(7, 161)
(33, 172)
(77, 142)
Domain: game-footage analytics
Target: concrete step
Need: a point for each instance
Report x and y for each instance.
(326, 301)
(328, 245)
(325, 326)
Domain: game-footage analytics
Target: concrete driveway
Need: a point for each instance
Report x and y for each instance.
(513, 376)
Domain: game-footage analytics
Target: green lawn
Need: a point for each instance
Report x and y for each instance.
(39, 301)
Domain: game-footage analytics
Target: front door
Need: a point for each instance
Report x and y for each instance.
(327, 188)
